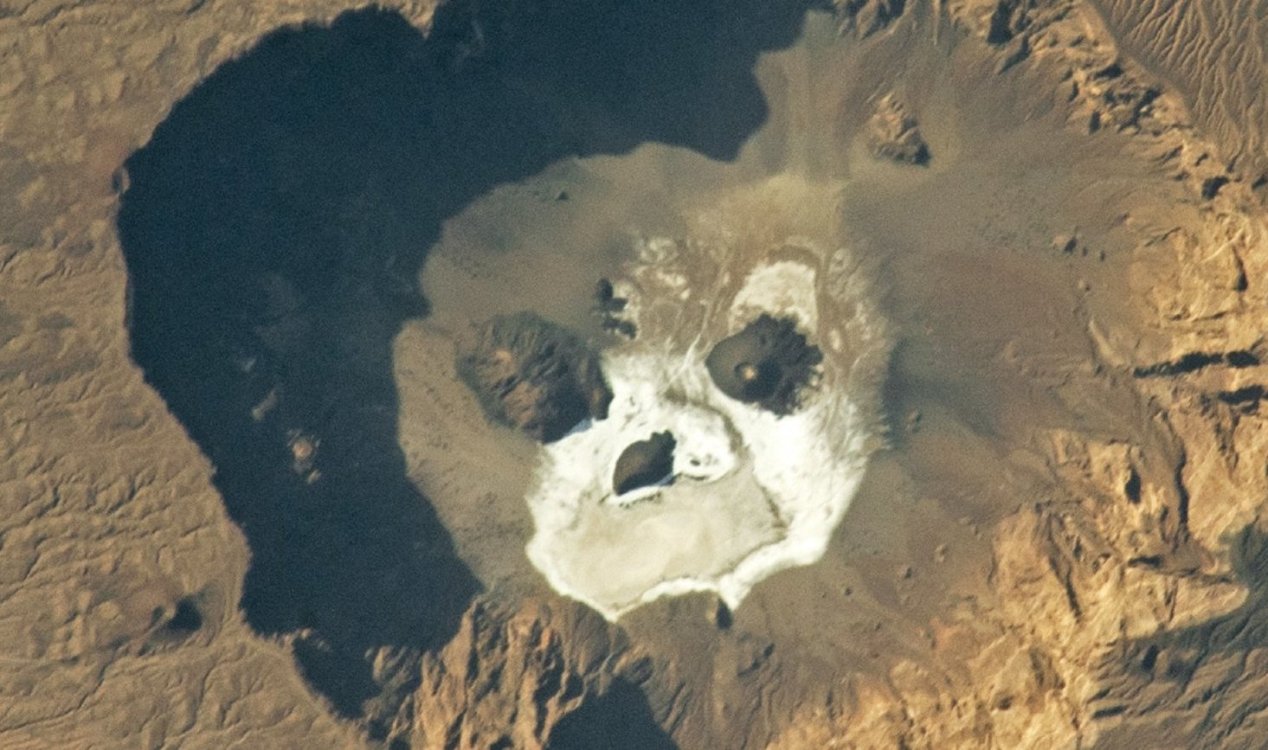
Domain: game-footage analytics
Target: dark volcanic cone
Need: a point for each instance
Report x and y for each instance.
(535, 376)
(644, 463)
(768, 363)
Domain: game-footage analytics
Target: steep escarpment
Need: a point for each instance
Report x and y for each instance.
(264, 257)
(1214, 55)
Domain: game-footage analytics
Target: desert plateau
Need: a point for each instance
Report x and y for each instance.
(634, 374)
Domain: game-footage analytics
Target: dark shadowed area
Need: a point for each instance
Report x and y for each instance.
(618, 720)
(274, 229)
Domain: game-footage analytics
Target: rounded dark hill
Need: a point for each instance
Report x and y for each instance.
(534, 376)
(767, 363)
(274, 228)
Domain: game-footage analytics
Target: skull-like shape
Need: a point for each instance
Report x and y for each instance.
(749, 486)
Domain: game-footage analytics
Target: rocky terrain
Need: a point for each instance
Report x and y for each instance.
(212, 537)
(896, 134)
(1213, 57)
(534, 376)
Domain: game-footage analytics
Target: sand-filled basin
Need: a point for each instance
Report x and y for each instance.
(753, 492)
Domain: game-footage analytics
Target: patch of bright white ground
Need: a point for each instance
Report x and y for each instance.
(752, 493)
(785, 286)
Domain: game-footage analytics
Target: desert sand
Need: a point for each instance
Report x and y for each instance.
(246, 499)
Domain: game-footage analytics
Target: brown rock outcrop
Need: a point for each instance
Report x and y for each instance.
(867, 17)
(894, 134)
(534, 376)
(1216, 52)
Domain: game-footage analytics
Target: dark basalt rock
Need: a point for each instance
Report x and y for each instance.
(609, 308)
(605, 297)
(644, 463)
(534, 376)
(767, 363)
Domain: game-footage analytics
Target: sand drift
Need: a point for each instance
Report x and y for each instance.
(751, 491)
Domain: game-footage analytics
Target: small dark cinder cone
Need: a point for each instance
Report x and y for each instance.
(644, 463)
(768, 363)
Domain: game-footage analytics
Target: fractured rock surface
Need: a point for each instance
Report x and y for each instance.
(895, 135)
(534, 376)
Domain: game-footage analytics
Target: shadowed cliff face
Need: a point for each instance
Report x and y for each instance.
(618, 720)
(274, 228)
